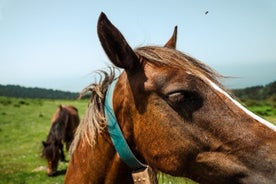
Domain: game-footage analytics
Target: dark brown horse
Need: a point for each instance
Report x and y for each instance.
(63, 126)
(175, 117)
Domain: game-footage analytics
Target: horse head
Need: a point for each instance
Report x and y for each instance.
(175, 117)
(52, 155)
(178, 119)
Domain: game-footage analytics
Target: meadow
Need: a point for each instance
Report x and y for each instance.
(24, 123)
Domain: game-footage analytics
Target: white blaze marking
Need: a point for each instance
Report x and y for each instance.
(258, 118)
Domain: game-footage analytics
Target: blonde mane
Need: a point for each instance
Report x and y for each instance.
(93, 121)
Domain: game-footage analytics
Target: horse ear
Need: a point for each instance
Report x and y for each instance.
(115, 45)
(172, 41)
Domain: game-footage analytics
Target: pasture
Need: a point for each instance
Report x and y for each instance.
(24, 123)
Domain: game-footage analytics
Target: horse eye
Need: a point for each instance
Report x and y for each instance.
(176, 97)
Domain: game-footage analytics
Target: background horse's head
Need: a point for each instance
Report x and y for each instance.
(175, 116)
(51, 152)
(63, 125)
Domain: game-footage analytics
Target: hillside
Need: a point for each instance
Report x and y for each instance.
(257, 92)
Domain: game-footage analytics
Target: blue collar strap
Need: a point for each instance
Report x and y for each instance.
(116, 134)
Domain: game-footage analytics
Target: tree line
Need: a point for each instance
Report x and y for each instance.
(257, 92)
(254, 93)
(27, 92)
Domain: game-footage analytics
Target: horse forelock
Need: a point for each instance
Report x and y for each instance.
(171, 57)
(93, 121)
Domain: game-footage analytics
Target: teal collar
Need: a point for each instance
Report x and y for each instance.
(116, 134)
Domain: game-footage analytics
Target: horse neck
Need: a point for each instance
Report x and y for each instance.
(56, 132)
(100, 163)
(69, 130)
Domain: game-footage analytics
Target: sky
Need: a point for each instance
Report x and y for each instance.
(53, 44)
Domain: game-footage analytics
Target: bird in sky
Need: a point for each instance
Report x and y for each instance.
(206, 12)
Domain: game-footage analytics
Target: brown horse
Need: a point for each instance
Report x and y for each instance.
(63, 126)
(175, 117)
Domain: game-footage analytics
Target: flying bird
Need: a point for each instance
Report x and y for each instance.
(206, 12)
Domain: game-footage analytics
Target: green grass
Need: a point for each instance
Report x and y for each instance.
(265, 108)
(24, 123)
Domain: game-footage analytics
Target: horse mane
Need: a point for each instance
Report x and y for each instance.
(94, 120)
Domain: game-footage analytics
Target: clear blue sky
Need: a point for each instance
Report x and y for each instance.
(54, 44)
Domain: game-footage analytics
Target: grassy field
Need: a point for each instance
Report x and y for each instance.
(265, 109)
(24, 123)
